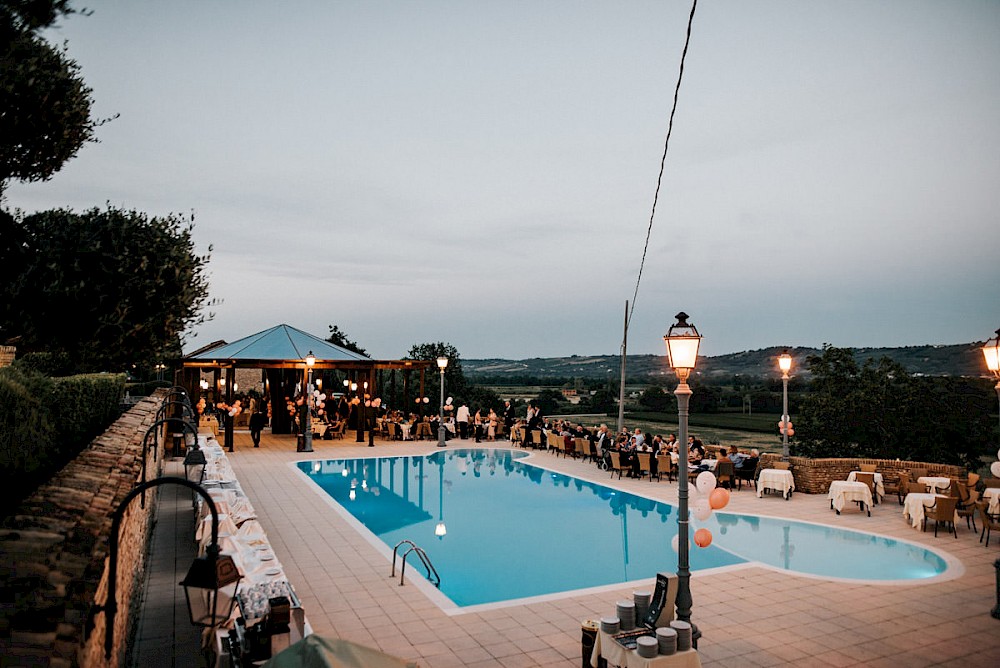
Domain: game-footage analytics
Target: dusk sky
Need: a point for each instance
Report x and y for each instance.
(482, 172)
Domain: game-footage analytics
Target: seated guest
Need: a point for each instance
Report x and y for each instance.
(736, 457)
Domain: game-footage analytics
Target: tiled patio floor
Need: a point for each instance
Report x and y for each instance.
(751, 616)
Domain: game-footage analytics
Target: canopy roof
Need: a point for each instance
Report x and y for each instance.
(285, 346)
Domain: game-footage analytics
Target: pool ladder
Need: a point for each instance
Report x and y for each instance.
(432, 574)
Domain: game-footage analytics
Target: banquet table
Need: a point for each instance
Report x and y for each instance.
(780, 480)
(935, 482)
(992, 495)
(606, 647)
(879, 486)
(914, 505)
(843, 492)
(208, 424)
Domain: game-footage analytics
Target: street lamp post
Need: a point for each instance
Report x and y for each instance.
(785, 364)
(991, 351)
(360, 416)
(369, 403)
(307, 432)
(442, 365)
(682, 341)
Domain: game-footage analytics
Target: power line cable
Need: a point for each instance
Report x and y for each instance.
(663, 161)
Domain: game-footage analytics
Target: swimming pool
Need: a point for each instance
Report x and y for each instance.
(514, 530)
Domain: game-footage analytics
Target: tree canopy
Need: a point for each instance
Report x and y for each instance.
(108, 287)
(879, 410)
(339, 338)
(45, 107)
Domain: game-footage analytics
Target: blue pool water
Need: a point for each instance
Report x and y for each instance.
(515, 530)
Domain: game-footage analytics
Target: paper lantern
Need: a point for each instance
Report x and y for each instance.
(718, 498)
(701, 509)
(702, 537)
(705, 482)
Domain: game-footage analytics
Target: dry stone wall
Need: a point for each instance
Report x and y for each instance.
(54, 552)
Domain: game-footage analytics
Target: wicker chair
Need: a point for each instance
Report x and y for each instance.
(967, 508)
(868, 468)
(942, 512)
(869, 479)
(990, 522)
(748, 472)
(725, 474)
(616, 464)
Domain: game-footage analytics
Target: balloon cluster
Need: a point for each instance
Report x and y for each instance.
(447, 404)
(784, 426)
(319, 401)
(707, 498)
(201, 405)
(233, 410)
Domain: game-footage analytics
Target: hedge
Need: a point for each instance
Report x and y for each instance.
(45, 422)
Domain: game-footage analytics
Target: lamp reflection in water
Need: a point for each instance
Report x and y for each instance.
(440, 530)
(787, 549)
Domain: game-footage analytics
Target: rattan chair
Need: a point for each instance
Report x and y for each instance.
(643, 458)
(748, 472)
(724, 473)
(942, 512)
(967, 508)
(990, 522)
(616, 464)
(868, 468)
(869, 479)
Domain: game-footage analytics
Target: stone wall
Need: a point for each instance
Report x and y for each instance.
(54, 552)
(813, 476)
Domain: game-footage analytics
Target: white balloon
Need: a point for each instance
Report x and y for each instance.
(998, 454)
(675, 543)
(705, 482)
(995, 468)
(701, 510)
(322, 397)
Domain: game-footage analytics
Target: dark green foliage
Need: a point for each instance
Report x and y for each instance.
(339, 338)
(107, 287)
(47, 364)
(878, 410)
(655, 399)
(548, 402)
(603, 401)
(45, 422)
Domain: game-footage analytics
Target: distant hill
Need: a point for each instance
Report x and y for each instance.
(965, 359)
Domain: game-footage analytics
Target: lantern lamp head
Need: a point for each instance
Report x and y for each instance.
(785, 362)
(682, 341)
(442, 362)
(991, 351)
(310, 359)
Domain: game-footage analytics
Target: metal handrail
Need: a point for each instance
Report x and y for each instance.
(432, 574)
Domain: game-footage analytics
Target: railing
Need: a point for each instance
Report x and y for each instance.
(432, 574)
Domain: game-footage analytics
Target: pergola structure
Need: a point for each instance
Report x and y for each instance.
(281, 353)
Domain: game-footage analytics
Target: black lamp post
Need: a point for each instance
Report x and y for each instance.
(307, 432)
(359, 418)
(682, 352)
(442, 365)
(991, 351)
(211, 582)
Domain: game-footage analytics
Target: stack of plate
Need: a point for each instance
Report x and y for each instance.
(647, 647)
(683, 634)
(626, 613)
(666, 638)
(641, 599)
(610, 625)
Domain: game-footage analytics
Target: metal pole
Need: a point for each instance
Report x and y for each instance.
(683, 394)
(441, 441)
(621, 389)
(784, 417)
(307, 435)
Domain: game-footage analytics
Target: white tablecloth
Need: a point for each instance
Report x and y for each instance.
(776, 479)
(616, 655)
(208, 424)
(843, 492)
(935, 481)
(879, 486)
(992, 495)
(914, 504)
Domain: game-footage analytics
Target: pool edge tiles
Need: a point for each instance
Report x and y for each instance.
(460, 466)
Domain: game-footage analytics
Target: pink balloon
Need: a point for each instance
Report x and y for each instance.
(702, 537)
(719, 498)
